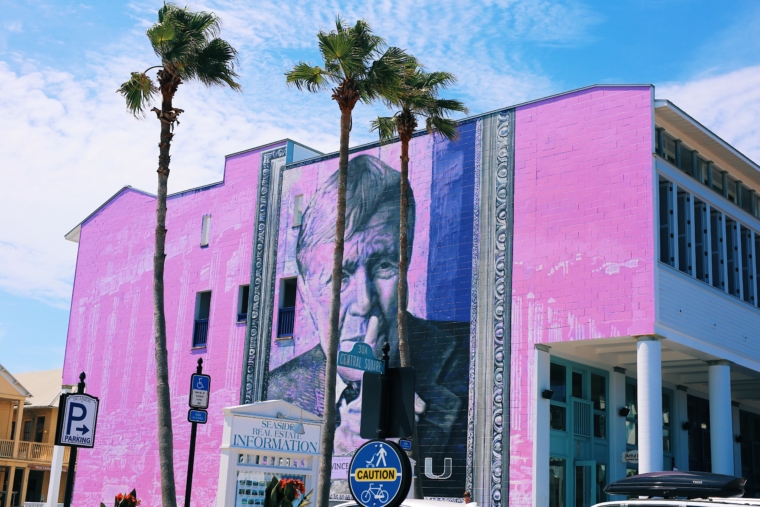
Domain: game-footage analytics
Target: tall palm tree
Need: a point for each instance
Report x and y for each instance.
(359, 66)
(418, 97)
(189, 49)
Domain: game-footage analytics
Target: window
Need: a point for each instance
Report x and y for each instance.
(39, 429)
(701, 244)
(27, 435)
(205, 229)
(297, 210)
(667, 246)
(703, 168)
(667, 445)
(242, 311)
(669, 148)
(599, 401)
(745, 198)
(558, 409)
(556, 482)
(684, 231)
(631, 427)
(631, 420)
(686, 160)
(716, 179)
(731, 187)
(202, 312)
(733, 265)
(716, 248)
(287, 314)
(748, 279)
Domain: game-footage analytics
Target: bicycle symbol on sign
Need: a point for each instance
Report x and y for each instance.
(377, 492)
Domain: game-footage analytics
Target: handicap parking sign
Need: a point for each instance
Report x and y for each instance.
(380, 474)
(200, 387)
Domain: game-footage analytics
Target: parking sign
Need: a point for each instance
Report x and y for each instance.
(77, 420)
(200, 387)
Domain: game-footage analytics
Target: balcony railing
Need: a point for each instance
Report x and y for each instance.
(286, 321)
(31, 451)
(200, 333)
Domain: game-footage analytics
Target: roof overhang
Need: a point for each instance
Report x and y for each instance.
(22, 391)
(709, 145)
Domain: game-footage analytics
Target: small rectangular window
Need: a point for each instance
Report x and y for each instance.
(202, 312)
(669, 148)
(297, 210)
(686, 160)
(748, 279)
(242, 311)
(717, 233)
(684, 232)
(745, 198)
(205, 229)
(599, 392)
(731, 185)
(558, 382)
(733, 264)
(287, 313)
(756, 205)
(701, 244)
(703, 167)
(716, 179)
(39, 429)
(757, 265)
(667, 245)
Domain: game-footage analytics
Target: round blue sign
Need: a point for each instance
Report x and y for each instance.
(380, 474)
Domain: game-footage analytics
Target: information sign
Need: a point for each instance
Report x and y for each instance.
(200, 387)
(405, 444)
(197, 416)
(362, 358)
(380, 474)
(77, 420)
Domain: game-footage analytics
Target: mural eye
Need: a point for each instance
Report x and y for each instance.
(385, 269)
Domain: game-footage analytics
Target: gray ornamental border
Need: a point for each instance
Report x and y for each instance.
(256, 360)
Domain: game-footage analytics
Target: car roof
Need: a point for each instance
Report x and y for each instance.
(700, 502)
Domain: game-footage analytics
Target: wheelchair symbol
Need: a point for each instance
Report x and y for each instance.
(200, 385)
(376, 492)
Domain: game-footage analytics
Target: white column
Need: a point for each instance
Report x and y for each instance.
(680, 436)
(649, 374)
(617, 425)
(56, 468)
(721, 426)
(541, 432)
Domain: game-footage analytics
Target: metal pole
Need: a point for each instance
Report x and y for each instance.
(382, 430)
(72, 457)
(191, 457)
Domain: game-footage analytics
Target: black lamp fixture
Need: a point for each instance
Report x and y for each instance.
(624, 411)
(547, 394)
(738, 439)
(686, 425)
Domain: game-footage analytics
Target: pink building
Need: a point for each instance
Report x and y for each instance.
(582, 295)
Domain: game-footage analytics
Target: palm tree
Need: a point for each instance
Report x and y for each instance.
(418, 98)
(189, 49)
(360, 67)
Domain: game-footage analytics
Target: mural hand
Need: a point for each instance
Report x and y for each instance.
(419, 407)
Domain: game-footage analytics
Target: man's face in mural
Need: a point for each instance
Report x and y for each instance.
(369, 297)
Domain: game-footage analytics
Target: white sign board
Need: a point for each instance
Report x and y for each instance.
(200, 386)
(274, 435)
(77, 424)
(630, 456)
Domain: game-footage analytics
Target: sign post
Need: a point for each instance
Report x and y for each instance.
(200, 389)
(75, 428)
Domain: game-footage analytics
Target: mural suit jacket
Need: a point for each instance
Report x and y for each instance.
(440, 356)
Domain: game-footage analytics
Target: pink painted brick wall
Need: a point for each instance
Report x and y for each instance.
(584, 237)
(111, 330)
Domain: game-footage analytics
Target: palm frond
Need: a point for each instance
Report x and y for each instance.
(385, 127)
(444, 126)
(337, 49)
(385, 76)
(138, 93)
(436, 80)
(304, 76)
(215, 65)
(444, 107)
(161, 33)
(367, 43)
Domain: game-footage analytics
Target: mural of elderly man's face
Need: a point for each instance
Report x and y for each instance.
(369, 297)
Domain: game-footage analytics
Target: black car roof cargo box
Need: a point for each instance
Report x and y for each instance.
(675, 484)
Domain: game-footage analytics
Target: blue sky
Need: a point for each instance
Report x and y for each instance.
(67, 145)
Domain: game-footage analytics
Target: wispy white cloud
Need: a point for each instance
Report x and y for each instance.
(726, 103)
(68, 143)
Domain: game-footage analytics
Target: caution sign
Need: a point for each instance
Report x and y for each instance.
(77, 420)
(380, 474)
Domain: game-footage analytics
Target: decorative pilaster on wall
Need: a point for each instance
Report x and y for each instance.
(502, 300)
(258, 337)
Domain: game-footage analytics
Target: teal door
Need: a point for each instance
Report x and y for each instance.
(585, 484)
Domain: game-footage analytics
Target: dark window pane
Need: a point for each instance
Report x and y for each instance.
(665, 211)
(731, 188)
(702, 253)
(600, 426)
(732, 257)
(556, 482)
(666, 440)
(601, 482)
(630, 400)
(289, 297)
(577, 385)
(717, 180)
(684, 231)
(204, 305)
(665, 409)
(558, 381)
(557, 417)
(669, 148)
(687, 160)
(599, 392)
(746, 199)
(716, 248)
(631, 433)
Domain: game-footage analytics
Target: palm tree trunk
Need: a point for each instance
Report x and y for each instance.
(165, 434)
(403, 268)
(331, 366)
